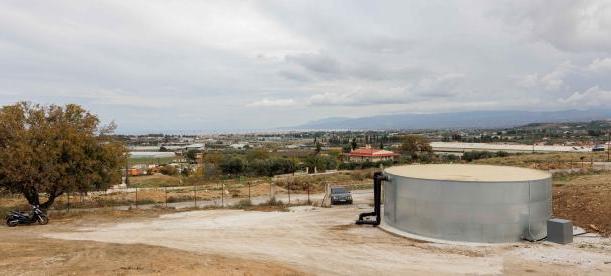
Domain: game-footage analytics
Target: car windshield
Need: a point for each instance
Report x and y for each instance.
(338, 191)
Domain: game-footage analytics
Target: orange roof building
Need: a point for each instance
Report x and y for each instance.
(371, 155)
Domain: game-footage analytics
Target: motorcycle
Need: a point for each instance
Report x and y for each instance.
(36, 215)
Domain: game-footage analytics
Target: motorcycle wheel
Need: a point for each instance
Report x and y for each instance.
(11, 223)
(42, 220)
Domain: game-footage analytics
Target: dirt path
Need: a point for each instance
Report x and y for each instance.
(325, 241)
(23, 251)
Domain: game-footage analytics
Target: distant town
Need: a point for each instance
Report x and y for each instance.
(350, 149)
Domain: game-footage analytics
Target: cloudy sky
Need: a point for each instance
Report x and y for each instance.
(229, 65)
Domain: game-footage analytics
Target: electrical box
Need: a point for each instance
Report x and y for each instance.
(560, 231)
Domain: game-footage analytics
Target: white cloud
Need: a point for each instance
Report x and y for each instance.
(592, 97)
(577, 26)
(273, 103)
(600, 65)
(209, 59)
(551, 81)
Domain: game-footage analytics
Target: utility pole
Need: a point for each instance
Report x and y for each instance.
(608, 146)
(127, 170)
(533, 137)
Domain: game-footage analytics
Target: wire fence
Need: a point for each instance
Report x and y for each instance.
(214, 195)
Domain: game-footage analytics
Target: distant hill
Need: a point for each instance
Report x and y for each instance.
(472, 119)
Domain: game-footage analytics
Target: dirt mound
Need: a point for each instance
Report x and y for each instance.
(586, 200)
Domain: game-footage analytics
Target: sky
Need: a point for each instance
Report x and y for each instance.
(209, 66)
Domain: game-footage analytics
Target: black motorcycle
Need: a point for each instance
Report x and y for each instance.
(36, 215)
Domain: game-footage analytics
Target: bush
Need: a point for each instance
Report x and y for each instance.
(168, 170)
(475, 155)
(243, 204)
(232, 165)
(348, 166)
(274, 202)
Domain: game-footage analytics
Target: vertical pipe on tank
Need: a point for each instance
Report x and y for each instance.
(377, 199)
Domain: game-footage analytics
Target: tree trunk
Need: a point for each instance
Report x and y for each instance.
(49, 202)
(32, 196)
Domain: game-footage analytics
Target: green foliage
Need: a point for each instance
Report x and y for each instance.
(54, 150)
(192, 155)
(321, 163)
(271, 167)
(413, 145)
(475, 155)
(346, 148)
(364, 165)
(257, 154)
(232, 165)
(318, 148)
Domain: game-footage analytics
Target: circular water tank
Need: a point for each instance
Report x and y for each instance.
(468, 203)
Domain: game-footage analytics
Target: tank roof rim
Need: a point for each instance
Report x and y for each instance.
(542, 175)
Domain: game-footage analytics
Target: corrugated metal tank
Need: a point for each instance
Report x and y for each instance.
(468, 203)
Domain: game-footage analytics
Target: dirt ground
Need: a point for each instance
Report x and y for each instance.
(304, 240)
(24, 251)
(586, 200)
(322, 241)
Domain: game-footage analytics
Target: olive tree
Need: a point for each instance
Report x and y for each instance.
(46, 151)
(412, 144)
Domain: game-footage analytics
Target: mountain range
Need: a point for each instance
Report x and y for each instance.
(455, 120)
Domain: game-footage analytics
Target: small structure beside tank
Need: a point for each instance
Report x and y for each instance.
(560, 231)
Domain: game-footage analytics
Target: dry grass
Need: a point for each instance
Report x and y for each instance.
(547, 161)
(357, 179)
(156, 180)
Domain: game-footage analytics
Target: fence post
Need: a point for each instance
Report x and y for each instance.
(289, 188)
(248, 190)
(195, 194)
(68, 195)
(136, 197)
(222, 193)
(309, 203)
(165, 189)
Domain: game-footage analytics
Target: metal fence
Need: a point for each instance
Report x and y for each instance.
(220, 194)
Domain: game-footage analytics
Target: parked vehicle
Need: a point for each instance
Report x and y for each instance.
(340, 195)
(36, 215)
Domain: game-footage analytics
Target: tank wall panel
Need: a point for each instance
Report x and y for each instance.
(468, 211)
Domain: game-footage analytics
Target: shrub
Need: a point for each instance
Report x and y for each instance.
(243, 204)
(168, 170)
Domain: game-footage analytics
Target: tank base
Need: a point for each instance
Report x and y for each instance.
(400, 233)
